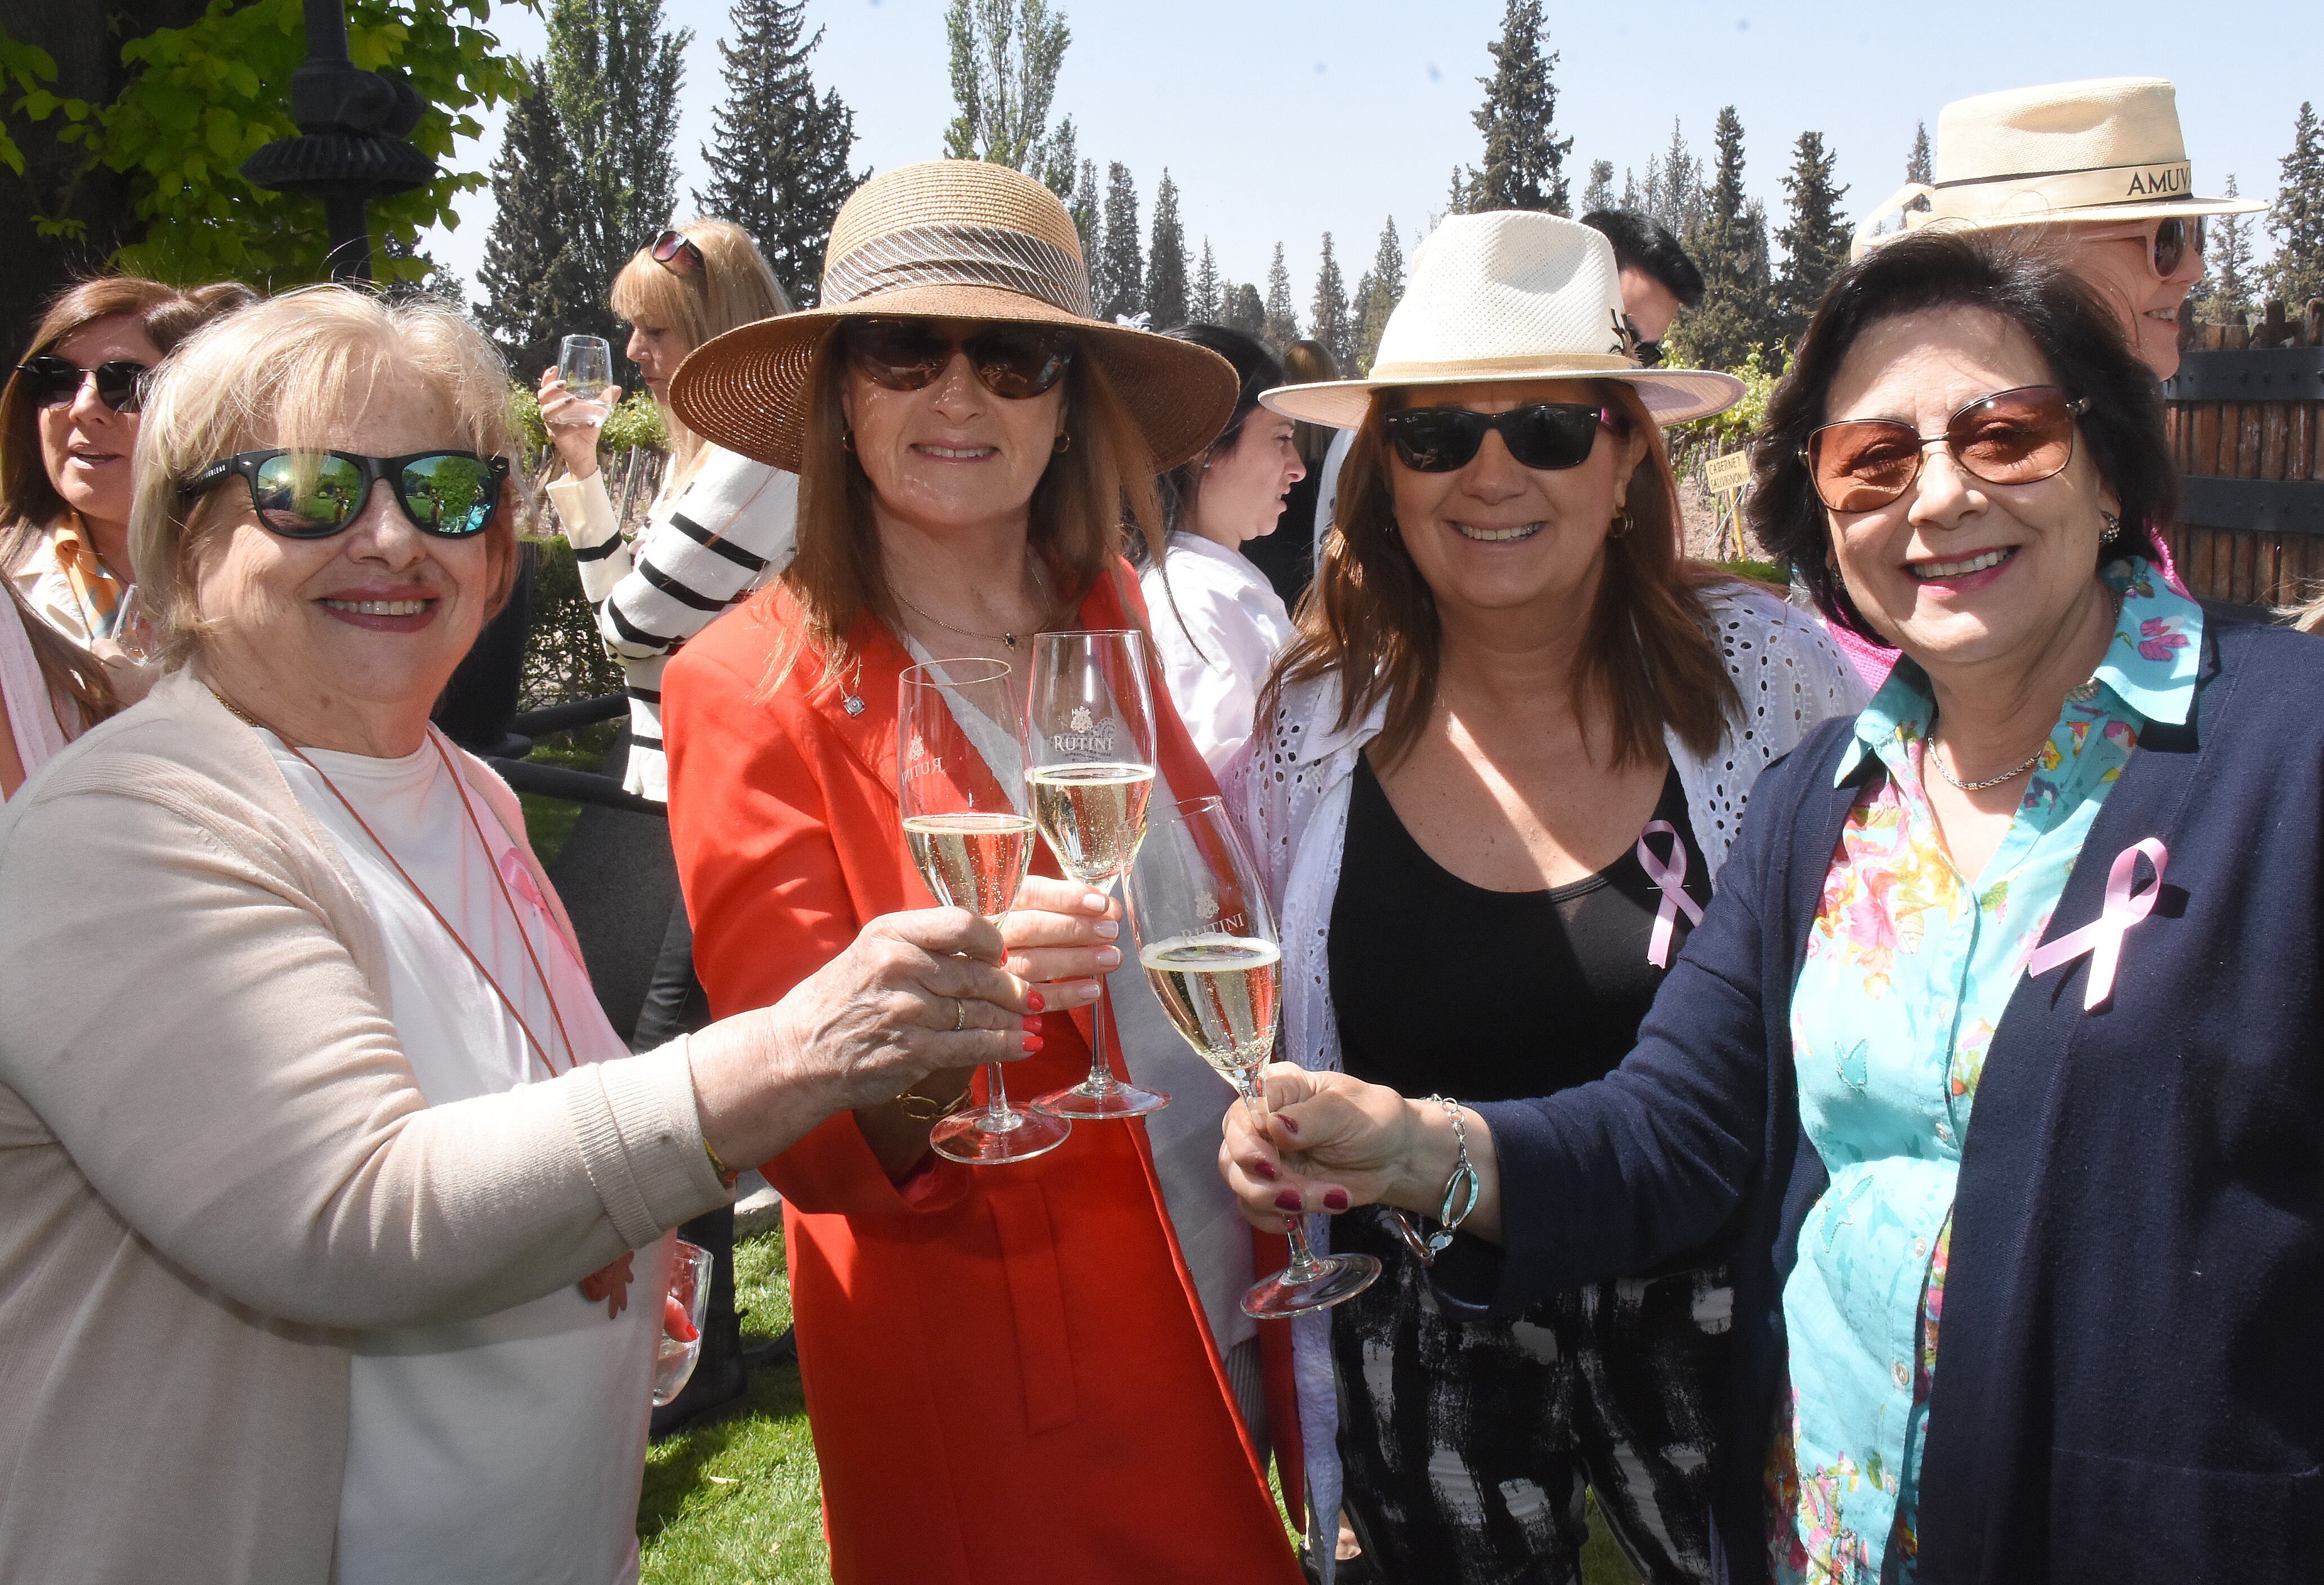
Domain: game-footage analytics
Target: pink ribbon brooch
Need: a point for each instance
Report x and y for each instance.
(1670, 879)
(2102, 936)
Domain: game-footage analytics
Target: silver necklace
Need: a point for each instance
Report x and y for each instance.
(970, 633)
(1933, 758)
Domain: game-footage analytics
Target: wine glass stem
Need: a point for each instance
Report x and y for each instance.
(996, 1097)
(1100, 1073)
(1295, 1228)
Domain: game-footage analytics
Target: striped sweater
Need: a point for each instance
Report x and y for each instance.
(731, 528)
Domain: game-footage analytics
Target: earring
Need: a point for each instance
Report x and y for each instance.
(2113, 535)
(1621, 522)
(847, 440)
(1064, 444)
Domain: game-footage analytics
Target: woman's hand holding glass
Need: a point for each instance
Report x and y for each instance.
(1330, 1143)
(574, 423)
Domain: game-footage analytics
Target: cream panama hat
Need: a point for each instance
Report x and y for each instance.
(949, 239)
(2108, 149)
(1509, 296)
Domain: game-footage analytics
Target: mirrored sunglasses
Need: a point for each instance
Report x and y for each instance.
(2018, 436)
(1547, 435)
(1014, 361)
(2167, 241)
(53, 381)
(314, 494)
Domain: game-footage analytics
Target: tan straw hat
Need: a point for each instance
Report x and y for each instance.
(2108, 149)
(951, 239)
(1509, 296)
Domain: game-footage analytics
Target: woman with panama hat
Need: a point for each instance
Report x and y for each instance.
(1495, 775)
(1036, 1370)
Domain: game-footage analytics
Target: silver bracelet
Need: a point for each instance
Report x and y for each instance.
(1461, 1192)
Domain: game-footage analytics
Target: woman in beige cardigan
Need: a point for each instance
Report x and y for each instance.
(308, 1123)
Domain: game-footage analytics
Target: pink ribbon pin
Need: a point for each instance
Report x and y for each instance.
(2102, 936)
(1670, 879)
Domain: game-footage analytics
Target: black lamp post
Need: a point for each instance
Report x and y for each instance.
(350, 147)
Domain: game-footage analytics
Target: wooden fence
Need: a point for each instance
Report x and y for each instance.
(2243, 414)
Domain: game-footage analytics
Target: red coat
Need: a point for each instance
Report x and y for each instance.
(1008, 1373)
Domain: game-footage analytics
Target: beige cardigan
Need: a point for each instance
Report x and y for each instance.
(214, 1164)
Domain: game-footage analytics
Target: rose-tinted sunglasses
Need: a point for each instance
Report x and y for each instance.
(1547, 435)
(53, 381)
(1011, 360)
(675, 251)
(2018, 436)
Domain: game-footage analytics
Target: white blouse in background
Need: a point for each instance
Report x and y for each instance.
(1218, 625)
(508, 1447)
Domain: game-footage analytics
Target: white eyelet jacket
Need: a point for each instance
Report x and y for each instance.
(1290, 788)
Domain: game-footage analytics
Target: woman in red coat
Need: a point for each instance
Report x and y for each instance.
(1036, 1370)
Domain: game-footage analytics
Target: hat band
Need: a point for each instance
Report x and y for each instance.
(2034, 192)
(1547, 365)
(959, 256)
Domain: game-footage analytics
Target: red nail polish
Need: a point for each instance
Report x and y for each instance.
(1037, 1003)
(1261, 1169)
(1032, 1026)
(1032, 1044)
(1288, 1126)
(1335, 1199)
(1286, 1201)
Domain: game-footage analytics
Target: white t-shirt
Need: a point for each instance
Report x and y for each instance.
(1217, 643)
(506, 1449)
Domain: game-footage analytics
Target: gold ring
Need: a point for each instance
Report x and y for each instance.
(959, 1015)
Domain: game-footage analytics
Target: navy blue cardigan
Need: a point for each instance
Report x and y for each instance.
(2130, 1384)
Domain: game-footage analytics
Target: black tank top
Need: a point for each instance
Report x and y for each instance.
(1442, 987)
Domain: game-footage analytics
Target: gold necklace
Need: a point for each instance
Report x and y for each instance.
(968, 632)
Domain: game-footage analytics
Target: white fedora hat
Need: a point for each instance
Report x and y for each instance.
(2108, 149)
(1509, 296)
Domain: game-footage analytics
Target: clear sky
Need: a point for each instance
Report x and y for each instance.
(1281, 119)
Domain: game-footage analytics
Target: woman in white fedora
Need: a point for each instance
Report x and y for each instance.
(2100, 166)
(1494, 776)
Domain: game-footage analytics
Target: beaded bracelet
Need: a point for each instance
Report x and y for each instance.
(1461, 1192)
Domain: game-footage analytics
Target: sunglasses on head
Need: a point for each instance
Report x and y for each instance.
(675, 251)
(314, 494)
(2018, 436)
(2167, 241)
(1011, 360)
(1545, 435)
(54, 381)
(1649, 353)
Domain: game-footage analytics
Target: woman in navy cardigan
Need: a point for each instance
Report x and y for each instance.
(2065, 873)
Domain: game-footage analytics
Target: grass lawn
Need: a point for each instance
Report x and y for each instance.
(736, 1503)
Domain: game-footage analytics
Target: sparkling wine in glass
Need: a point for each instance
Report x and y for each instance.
(1207, 941)
(586, 364)
(1089, 759)
(971, 839)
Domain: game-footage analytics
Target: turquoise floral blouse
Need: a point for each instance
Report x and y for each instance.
(1908, 968)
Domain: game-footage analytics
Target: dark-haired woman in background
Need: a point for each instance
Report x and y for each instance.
(1287, 556)
(1217, 623)
(1955, 900)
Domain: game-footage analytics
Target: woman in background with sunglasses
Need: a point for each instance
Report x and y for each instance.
(1494, 776)
(69, 419)
(2062, 883)
(324, 1167)
(1021, 1371)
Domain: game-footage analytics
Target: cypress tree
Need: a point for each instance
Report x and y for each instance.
(1382, 289)
(1673, 191)
(1083, 206)
(1121, 283)
(2228, 285)
(1327, 319)
(779, 160)
(2297, 218)
(1281, 327)
(1919, 165)
(1730, 247)
(1245, 312)
(1815, 237)
(1525, 161)
(613, 77)
(1207, 307)
(1165, 261)
(535, 290)
(1600, 194)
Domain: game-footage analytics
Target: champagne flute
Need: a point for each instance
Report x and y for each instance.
(1208, 944)
(972, 840)
(1089, 756)
(586, 364)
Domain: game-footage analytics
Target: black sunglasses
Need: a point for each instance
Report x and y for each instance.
(314, 494)
(671, 246)
(1546, 434)
(54, 381)
(1011, 360)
